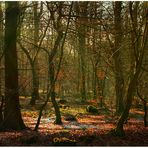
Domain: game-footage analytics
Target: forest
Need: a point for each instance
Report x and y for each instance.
(74, 73)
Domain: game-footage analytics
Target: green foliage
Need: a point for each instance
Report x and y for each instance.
(92, 109)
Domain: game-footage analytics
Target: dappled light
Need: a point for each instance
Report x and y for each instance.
(73, 73)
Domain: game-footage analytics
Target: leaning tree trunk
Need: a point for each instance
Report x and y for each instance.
(133, 82)
(53, 97)
(132, 86)
(12, 114)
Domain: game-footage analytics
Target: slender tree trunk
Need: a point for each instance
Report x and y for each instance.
(100, 92)
(119, 79)
(145, 118)
(1, 44)
(53, 98)
(101, 95)
(12, 114)
(82, 63)
(145, 114)
(1, 109)
(1, 54)
(95, 63)
(35, 82)
(119, 87)
(132, 86)
(35, 79)
(79, 71)
(35, 66)
(133, 82)
(82, 11)
(94, 82)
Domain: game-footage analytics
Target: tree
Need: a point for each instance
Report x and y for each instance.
(119, 86)
(138, 47)
(12, 114)
(33, 58)
(81, 10)
(1, 40)
(51, 71)
(1, 56)
(115, 39)
(35, 77)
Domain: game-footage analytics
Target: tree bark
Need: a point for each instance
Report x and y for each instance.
(1, 109)
(35, 66)
(145, 114)
(35, 91)
(132, 86)
(145, 118)
(1, 44)
(119, 79)
(82, 12)
(94, 82)
(12, 115)
(118, 131)
(53, 97)
(1, 54)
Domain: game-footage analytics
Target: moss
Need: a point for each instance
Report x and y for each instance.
(92, 109)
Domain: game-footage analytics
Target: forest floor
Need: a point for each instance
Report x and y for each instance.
(87, 130)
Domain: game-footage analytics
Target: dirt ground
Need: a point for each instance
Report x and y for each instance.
(88, 130)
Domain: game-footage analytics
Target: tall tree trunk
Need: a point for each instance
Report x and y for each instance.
(1, 44)
(132, 86)
(35, 66)
(35, 79)
(83, 78)
(95, 62)
(82, 12)
(12, 114)
(1, 55)
(53, 97)
(82, 63)
(78, 75)
(145, 113)
(1, 110)
(94, 82)
(119, 79)
(135, 74)
(145, 118)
